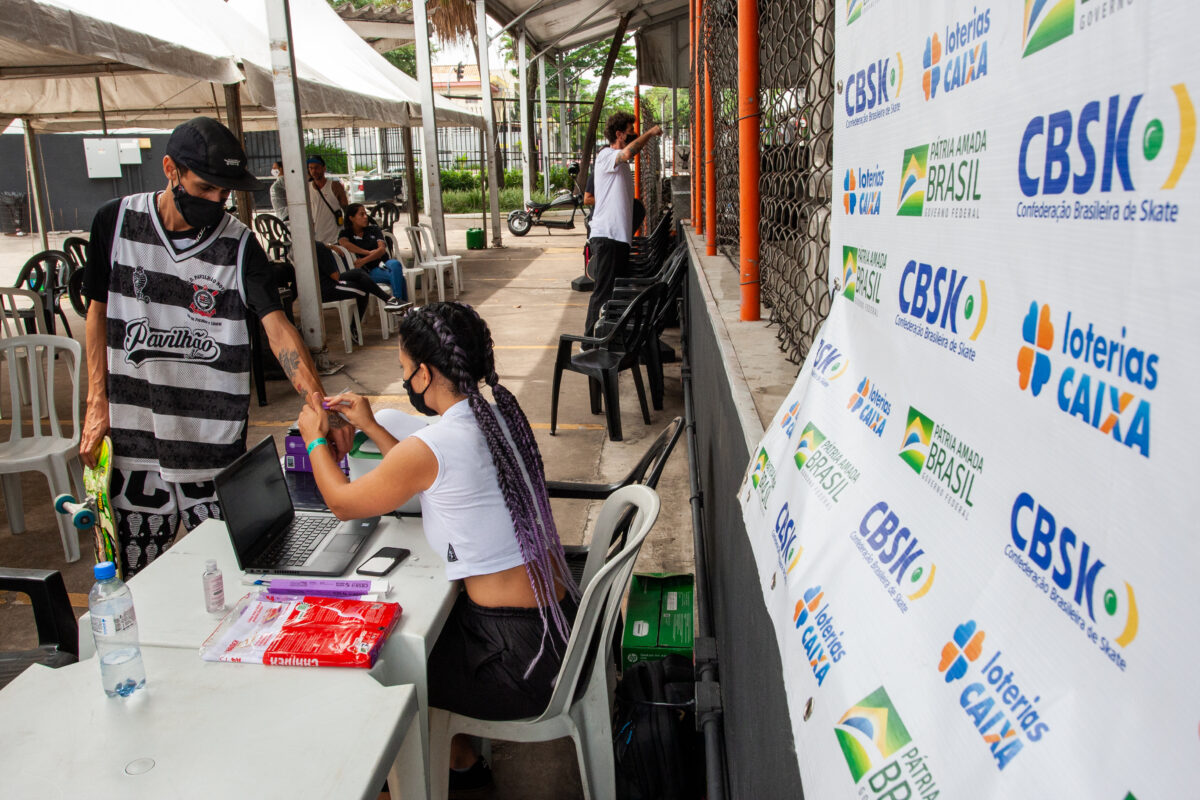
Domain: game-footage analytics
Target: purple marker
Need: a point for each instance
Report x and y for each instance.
(326, 588)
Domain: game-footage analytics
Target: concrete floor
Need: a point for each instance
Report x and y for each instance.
(523, 292)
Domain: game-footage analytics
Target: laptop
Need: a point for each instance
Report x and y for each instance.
(269, 535)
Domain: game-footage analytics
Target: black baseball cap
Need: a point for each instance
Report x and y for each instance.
(209, 149)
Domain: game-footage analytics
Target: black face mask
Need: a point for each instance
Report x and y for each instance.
(417, 398)
(198, 212)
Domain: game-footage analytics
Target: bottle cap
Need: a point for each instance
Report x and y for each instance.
(210, 565)
(104, 570)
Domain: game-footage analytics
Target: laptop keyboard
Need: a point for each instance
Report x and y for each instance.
(301, 540)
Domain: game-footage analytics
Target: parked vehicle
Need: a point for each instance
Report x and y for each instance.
(521, 220)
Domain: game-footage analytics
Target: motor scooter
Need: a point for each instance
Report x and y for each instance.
(521, 220)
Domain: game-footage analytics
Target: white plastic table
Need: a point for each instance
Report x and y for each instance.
(203, 730)
(169, 600)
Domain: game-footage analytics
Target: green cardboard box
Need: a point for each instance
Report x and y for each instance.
(658, 618)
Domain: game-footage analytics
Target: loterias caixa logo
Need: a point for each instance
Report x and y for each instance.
(862, 191)
(1048, 22)
(941, 178)
(862, 277)
(1104, 378)
(996, 699)
(1070, 571)
(877, 745)
(873, 91)
(945, 462)
(964, 45)
(895, 554)
(1112, 159)
(823, 466)
(818, 632)
(942, 306)
(870, 404)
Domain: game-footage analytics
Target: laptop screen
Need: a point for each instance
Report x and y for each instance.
(254, 497)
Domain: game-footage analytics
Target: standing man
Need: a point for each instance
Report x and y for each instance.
(327, 202)
(172, 278)
(612, 222)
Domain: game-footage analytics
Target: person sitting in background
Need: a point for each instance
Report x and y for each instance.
(367, 243)
(350, 284)
(278, 195)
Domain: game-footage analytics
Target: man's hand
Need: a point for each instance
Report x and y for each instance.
(655, 131)
(95, 428)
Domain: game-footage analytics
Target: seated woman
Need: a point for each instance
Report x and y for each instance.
(479, 475)
(350, 284)
(366, 242)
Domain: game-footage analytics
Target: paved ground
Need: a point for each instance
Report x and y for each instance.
(523, 291)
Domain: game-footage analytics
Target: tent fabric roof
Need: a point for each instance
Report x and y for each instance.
(553, 22)
(654, 47)
(159, 62)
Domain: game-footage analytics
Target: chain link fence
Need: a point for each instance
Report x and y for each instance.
(796, 96)
(650, 169)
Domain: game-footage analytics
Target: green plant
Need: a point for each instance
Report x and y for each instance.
(459, 180)
(335, 157)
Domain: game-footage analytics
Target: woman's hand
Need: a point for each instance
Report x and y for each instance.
(354, 407)
(314, 420)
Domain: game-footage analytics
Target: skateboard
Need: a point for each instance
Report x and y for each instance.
(95, 511)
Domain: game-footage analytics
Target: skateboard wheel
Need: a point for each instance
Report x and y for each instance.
(84, 518)
(60, 503)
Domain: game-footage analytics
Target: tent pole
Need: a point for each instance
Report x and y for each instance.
(33, 160)
(295, 181)
(433, 198)
(351, 156)
(410, 176)
(233, 110)
(545, 147)
(564, 111)
(100, 105)
(526, 132)
(483, 180)
(495, 176)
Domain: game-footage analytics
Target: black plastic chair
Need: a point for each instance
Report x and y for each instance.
(48, 273)
(58, 632)
(609, 355)
(275, 234)
(385, 214)
(76, 249)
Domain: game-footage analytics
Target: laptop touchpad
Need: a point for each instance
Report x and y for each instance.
(343, 543)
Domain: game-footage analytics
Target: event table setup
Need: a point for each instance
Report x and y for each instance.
(171, 614)
(203, 729)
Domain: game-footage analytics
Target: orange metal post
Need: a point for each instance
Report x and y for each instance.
(637, 124)
(710, 171)
(749, 163)
(697, 122)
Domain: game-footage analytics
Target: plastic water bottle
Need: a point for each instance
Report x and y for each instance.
(114, 627)
(214, 588)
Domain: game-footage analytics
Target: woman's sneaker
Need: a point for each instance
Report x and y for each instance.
(471, 783)
(395, 305)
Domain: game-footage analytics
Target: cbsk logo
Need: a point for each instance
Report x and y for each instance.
(936, 297)
(869, 187)
(822, 643)
(999, 709)
(871, 406)
(1076, 573)
(913, 168)
(871, 92)
(1046, 22)
(788, 423)
(1077, 148)
(787, 551)
(966, 47)
(1082, 393)
(882, 532)
(828, 363)
(870, 733)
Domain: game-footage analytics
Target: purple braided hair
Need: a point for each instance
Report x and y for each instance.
(514, 450)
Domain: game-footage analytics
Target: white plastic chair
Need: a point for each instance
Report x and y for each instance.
(586, 719)
(347, 309)
(410, 273)
(424, 258)
(44, 360)
(16, 306)
(432, 246)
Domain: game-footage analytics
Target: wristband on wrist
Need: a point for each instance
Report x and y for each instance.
(315, 443)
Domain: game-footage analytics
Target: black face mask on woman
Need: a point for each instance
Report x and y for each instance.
(418, 398)
(199, 212)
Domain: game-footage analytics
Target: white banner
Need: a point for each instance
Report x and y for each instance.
(972, 516)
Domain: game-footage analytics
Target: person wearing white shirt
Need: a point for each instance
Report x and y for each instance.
(612, 222)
